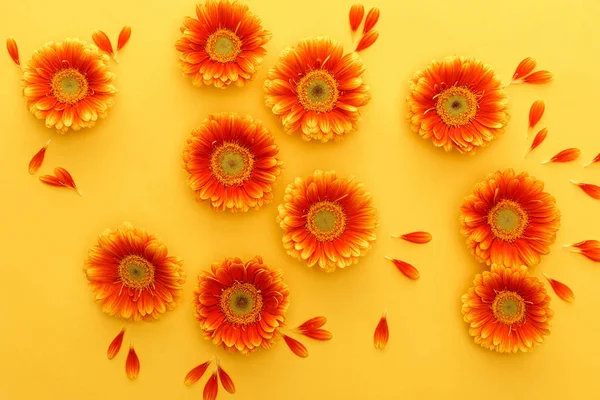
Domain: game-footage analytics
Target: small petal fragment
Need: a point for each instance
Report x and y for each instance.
(561, 290)
(591, 190)
(211, 389)
(38, 159)
(313, 323)
(382, 333)
(367, 40)
(196, 373)
(404, 267)
(589, 248)
(123, 37)
(226, 380)
(371, 20)
(13, 50)
(357, 12)
(595, 160)
(132, 364)
(535, 112)
(115, 345)
(567, 155)
(103, 42)
(415, 237)
(537, 140)
(295, 346)
(538, 77)
(524, 68)
(317, 334)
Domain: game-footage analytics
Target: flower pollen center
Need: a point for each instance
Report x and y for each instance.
(508, 220)
(318, 91)
(69, 86)
(231, 164)
(136, 272)
(326, 220)
(456, 106)
(241, 303)
(223, 46)
(508, 307)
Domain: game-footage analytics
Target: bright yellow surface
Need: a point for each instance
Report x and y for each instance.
(54, 337)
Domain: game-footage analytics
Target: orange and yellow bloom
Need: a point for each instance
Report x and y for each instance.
(233, 162)
(316, 90)
(509, 219)
(240, 305)
(507, 310)
(327, 220)
(224, 45)
(132, 275)
(457, 103)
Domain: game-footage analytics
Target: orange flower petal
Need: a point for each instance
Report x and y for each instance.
(211, 389)
(382, 333)
(537, 140)
(538, 77)
(38, 159)
(115, 345)
(567, 155)
(371, 20)
(13, 50)
(561, 290)
(589, 248)
(226, 380)
(317, 334)
(295, 346)
(524, 68)
(367, 40)
(595, 160)
(313, 323)
(132, 364)
(357, 12)
(196, 373)
(65, 177)
(415, 237)
(52, 181)
(535, 112)
(591, 190)
(123, 37)
(407, 269)
(103, 42)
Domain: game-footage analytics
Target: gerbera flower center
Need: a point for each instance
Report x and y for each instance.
(326, 220)
(241, 303)
(136, 272)
(232, 164)
(69, 86)
(508, 307)
(318, 91)
(223, 46)
(456, 105)
(507, 220)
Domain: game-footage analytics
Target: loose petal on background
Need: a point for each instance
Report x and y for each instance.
(65, 177)
(313, 323)
(13, 50)
(371, 20)
(317, 334)
(535, 112)
(595, 160)
(132, 365)
(211, 389)
(538, 77)
(415, 237)
(123, 37)
(196, 373)
(561, 290)
(103, 42)
(367, 40)
(537, 140)
(567, 155)
(38, 159)
(591, 190)
(295, 346)
(404, 267)
(382, 333)
(115, 345)
(226, 380)
(589, 248)
(524, 68)
(357, 12)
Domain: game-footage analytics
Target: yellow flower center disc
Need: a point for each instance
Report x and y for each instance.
(69, 86)
(508, 307)
(318, 91)
(507, 220)
(241, 303)
(223, 46)
(231, 164)
(456, 106)
(326, 220)
(136, 272)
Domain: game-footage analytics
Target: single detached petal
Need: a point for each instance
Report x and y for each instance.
(537, 140)
(404, 267)
(382, 333)
(524, 68)
(371, 20)
(196, 373)
(591, 190)
(317, 334)
(115, 345)
(52, 181)
(38, 159)
(357, 12)
(313, 323)
(595, 160)
(132, 364)
(103, 42)
(211, 389)
(535, 112)
(13, 50)
(226, 380)
(367, 40)
(295, 346)
(561, 290)
(538, 77)
(567, 155)
(589, 248)
(124, 36)
(416, 237)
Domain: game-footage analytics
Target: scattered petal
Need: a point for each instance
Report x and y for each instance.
(367, 40)
(132, 365)
(196, 373)
(561, 290)
(313, 323)
(13, 50)
(415, 237)
(537, 140)
(357, 12)
(382, 333)
(589, 248)
(38, 159)
(407, 269)
(538, 77)
(567, 155)
(595, 160)
(591, 190)
(317, 334)
(103, 42)
(123, 37)
(211, 389)
(371, 20)
(295, 346)
(62, 178)
(226, 380)
(524, 68)
(535, 112)
(115, 345)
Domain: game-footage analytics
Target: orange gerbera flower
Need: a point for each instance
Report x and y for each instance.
(223, 45)
(327, 220)
(68, 84)
(233, 162)
(507, 309)
(317, 90)
(457, 103)
(131, 274)
(240, 305)
(509, 219)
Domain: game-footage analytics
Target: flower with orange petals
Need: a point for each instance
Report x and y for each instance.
(315, 89)
(233, 162)
(224, 45)
(457, 103)
(509, 219)
(68, 84)
(240, 305)
(507, 310)
(132, 276)
(327, 220)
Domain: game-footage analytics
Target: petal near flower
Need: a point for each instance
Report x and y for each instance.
(589, 248)
(535, 112)
(124, 36)
(538, 139)
(13, 50)
(371, 20)
(226, 380)
(115, 345)
(538, 77)
(38, 159)
(567, 155)
(591, 190)
(382, 333)
(211, 389)
(419, 237)
(295, 346)
(196, 373)
(132, 364)
(524, 68)
(561, 290)
(367, 40)
(408, 270)
(357, 12)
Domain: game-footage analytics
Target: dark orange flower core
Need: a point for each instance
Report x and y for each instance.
(508, 307)
(507, 220)
(223, 46)
(326, 220)
(69, 86)
(318, 91)
(242, 303)
(456, 105)
(231, 164)
(136, 272)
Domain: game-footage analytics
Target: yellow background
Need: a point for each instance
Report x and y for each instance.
(54, 337)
